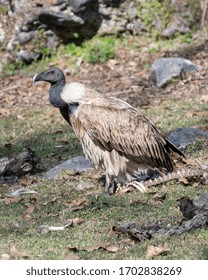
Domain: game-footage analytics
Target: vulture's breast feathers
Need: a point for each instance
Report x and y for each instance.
(73, 93)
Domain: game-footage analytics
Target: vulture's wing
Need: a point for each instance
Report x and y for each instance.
(114, 124)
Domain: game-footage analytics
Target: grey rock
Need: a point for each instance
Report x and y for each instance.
(138, 27)
(182, 137)
(202, 200)
(51, 18)
(24, 37)
(78, 164)
(164, 70)
(79, 6)
(169, 32)
(62, 4)
(2, 34)
(28, 56)
(131, 12)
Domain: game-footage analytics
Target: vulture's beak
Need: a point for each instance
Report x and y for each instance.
(36, 78)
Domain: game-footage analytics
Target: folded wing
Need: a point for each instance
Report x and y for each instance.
(114, 124)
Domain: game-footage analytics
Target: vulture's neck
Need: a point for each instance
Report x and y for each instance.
(55, 94)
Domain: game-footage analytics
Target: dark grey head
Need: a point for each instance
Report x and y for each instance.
(56, 78)
(53, 75)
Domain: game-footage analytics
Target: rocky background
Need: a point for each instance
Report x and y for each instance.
(33, 28)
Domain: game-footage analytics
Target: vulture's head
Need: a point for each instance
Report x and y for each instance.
(56, 78)
(53, 75)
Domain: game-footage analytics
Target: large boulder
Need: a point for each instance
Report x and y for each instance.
(163, 70)
(182, 137)
(73, 165)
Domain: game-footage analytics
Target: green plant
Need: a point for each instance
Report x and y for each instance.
(10, 67)
(187, 38)
(154, 11)
(46, 52)
(100, 50)
(97, 50)
(4, 10)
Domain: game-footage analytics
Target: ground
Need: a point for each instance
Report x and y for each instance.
(28, 120)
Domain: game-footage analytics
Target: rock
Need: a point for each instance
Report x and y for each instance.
(182, 137)
(169, 32)
(79, 6)
(177, 24)
(75, 164)
(2, 34)
(163, 70)
(24, 37)
(28, 56)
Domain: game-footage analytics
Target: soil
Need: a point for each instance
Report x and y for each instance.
(125, 77)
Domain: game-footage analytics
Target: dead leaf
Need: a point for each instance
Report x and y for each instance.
(15, 252)
(5, 112)
(76, 208)
(204, 98)
(4, 257)
(197, 113)
(29, 211)
(157, 250)
(128, 241)
(105, 246)
(9, 200)
(78, 220)
(201, 127)
(26, 181)
(191, 162)
(78, 204)
(111, 63)
(183, 180)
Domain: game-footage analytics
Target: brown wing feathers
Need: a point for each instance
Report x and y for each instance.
(126, 130)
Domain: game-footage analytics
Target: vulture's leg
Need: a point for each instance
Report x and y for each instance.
(110, 185)
(113, 186)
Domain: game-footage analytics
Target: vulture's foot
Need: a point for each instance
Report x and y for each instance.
(138, 185)
(110, 188)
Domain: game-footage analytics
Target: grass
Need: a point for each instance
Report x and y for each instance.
(44, 130)
(172, 114)
(27, 128)
(54, 141)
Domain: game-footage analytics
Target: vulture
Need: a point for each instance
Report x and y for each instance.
(114, 135)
